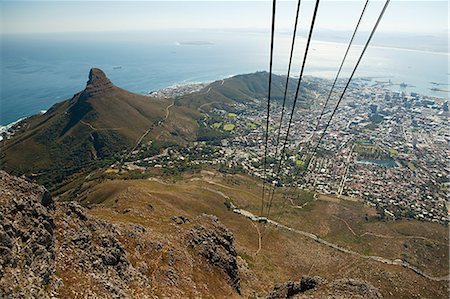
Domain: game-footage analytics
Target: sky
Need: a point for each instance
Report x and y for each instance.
(96, 16)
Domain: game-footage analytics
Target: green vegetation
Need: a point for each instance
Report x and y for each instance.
(242, 88)
(299, 163)
(411, 166)
(376, 118)
(371, 152)
(216, 125)
(228, 127)
(211, 135)
(155, 148)
(251, 125)
(393, 151)
(223, 168)
(232, 114)
(247, 257)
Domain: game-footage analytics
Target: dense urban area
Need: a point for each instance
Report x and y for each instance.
(387, 148)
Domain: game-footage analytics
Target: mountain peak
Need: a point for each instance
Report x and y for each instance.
(98, 82)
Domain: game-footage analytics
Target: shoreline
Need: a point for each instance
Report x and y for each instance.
(178, 89)
(183, 88)
(4, 130)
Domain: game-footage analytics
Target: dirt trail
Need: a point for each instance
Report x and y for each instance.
(99, 129)
(380, 259)
(319, 240)
(259, 237)
(388, 237)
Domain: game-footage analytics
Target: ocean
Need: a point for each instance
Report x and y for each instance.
(38, 70)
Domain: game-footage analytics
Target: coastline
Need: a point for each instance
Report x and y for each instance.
(178, 89)
(175, 90)
(6, 131)
(184, 88)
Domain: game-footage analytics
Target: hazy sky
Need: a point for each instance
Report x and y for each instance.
(91, 16)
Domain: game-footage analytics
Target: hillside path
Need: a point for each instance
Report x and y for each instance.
(380, 259)
(319, 240)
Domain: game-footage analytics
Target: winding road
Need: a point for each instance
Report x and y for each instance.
(99, 129)
(160, 123)
(389, 237)
(168, 110)
(206, 104)
(210, 86)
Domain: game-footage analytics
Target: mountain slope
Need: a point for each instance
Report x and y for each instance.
(98, 123)
(154, 239)
(59, 250)
(246, 87)
(103, 123)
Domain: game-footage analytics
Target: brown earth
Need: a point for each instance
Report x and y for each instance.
(148, 239)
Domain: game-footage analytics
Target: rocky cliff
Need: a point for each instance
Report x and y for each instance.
(27, 242)
(318, 287)
(50, 249)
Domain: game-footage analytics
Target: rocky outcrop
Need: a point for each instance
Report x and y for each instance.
(97, 83)
(27, 243)
(317, 287)
(44, 245)
(180, 219)
(292, 288)
(91, 248)
(212, 240)
(357, 286)
(59, 250)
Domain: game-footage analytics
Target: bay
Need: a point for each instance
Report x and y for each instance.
(38, 70)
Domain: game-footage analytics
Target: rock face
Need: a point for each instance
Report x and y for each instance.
(360, 287)
(292, 288)
(317, 287)
(43, 245)
(40, 239)
(91, 247)
(97, 83)
(212, 240)
(27, 245)
(51, 249)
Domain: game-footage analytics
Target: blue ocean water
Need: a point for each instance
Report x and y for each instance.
(42, 69)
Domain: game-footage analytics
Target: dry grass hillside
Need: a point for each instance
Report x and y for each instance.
(275, 254)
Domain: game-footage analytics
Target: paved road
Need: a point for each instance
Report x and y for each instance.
(160, 123)
(344, 177)
(210, 86)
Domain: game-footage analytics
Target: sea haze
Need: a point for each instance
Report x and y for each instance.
(39, 70)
